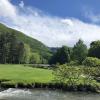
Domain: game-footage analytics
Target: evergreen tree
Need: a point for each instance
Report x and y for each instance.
(94, 50)
(4, 47)
(1, 47)
(12, 50)
(20, 52)
(79, 52)
(62, 56)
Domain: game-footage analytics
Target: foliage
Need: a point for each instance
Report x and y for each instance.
(12, 50)
(35, 58)
(76, 75)
(79, 52)
(92, 76)
(62, 56)
(26, 54)
(94, 50)
(73, 63)
(92, 62)
(66, 74)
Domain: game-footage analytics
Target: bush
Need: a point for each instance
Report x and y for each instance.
(73, 63)
(92, 62)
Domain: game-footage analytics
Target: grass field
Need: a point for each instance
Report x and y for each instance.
(24, 74)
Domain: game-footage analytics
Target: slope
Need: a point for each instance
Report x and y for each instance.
(35, 45)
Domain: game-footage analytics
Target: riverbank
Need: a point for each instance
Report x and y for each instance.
(52, 86)
(20, 76)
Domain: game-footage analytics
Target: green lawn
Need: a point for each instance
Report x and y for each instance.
(25, 74)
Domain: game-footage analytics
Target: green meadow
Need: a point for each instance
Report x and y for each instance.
(24, 74)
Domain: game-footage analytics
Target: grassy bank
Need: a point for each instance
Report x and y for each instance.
(24, 74)
(27, 77)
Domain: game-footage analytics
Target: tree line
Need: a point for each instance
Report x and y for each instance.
(77, 54)
(12, 50)
(15, 51)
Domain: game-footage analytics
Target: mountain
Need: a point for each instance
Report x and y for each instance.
(54, 49)
(35, 45)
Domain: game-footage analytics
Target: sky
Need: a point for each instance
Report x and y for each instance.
(54, 22)
(64, 8)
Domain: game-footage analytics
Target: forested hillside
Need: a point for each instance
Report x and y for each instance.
(36, 47)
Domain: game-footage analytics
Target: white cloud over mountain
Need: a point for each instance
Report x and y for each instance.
(52, 31)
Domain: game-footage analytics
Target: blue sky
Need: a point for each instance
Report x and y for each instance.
(64, 8)
(54, 22)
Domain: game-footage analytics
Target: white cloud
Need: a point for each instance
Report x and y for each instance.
(52, 31)
(7, 9)
(67, 21)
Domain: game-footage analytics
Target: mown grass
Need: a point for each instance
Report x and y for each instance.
(24, 74)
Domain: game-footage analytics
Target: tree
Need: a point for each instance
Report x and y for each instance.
(20, 52)
(26, 53)
(12, 50)
(35, 58)
(94, 50)
(79, 52)
(7, 44)
(23, 53)
(1, 47)
(62, 56)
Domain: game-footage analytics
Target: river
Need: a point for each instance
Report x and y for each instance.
(36, 94)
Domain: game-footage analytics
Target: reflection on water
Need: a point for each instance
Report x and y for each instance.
(17, 94)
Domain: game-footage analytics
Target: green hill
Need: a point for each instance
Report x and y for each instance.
(35, 45)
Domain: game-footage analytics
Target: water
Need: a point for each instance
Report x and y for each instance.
(17, 94)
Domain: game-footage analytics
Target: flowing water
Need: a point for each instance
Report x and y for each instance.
(17, 94)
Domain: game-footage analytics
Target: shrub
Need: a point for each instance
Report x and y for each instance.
(73, 63)
(67, 74)
(92, 62)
